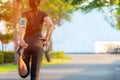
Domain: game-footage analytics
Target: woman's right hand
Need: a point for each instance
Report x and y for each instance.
(23, 44)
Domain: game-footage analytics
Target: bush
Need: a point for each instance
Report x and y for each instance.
(8, 56)
(1, 58)
(60, 54)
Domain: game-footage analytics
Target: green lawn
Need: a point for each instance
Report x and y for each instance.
(9, 67)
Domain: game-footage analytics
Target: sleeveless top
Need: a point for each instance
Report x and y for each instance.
(34, 23)
(34, 26)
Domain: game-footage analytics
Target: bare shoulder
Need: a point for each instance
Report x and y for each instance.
(47, 19)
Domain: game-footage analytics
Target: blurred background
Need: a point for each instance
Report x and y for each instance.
(81, 26)
(83, 29)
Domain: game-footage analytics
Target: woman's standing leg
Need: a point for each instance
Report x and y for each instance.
(36, 62)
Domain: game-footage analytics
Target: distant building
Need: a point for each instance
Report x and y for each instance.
(106, 46)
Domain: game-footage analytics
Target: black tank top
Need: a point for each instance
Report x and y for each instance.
(34, 23)
(34, 28)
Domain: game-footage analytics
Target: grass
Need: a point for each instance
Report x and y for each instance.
(11, 66)
(7, 67)
(56, 61)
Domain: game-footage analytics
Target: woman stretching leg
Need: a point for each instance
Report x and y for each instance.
(30, 40)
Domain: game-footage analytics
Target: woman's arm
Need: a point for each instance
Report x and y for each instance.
(50, 27)
(22, 32)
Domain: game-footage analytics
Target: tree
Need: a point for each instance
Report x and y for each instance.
(11, 9)
(5, 39)
(111, 7)
(56, 9)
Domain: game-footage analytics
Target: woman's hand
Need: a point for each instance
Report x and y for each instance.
(23, 44)
(45, 39)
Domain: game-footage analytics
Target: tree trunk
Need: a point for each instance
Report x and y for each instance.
(5, 47)
(16, 21)
(2, 46)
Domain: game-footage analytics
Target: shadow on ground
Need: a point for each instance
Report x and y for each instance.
(93, 71)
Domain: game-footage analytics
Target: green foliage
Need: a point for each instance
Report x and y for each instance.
(56, 9)
(58, 54)
(118, 10)
(90, 5)
(7, 11)
(11, 67)
(6, 38)
(55, 54)
(8, 56)
(118, 23)
(1, 58)
(61, 54)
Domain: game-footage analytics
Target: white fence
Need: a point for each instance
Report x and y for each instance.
(105, 46)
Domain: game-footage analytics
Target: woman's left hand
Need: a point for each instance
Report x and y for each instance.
(45, 38)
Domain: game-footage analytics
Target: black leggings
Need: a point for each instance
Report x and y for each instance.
(33, 54)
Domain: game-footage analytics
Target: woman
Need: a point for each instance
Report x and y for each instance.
(30, 39)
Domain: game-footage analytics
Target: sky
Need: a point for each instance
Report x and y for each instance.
(82, 32)
(2, 27)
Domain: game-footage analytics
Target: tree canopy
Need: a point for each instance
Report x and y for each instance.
(56, 9)
(59, 9)
(89, 5)
(110, 9)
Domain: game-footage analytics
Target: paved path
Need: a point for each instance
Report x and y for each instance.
(83, 67)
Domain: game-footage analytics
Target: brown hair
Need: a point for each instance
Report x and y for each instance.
(34, 4)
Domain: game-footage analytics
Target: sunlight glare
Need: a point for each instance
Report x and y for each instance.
(2, 27)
